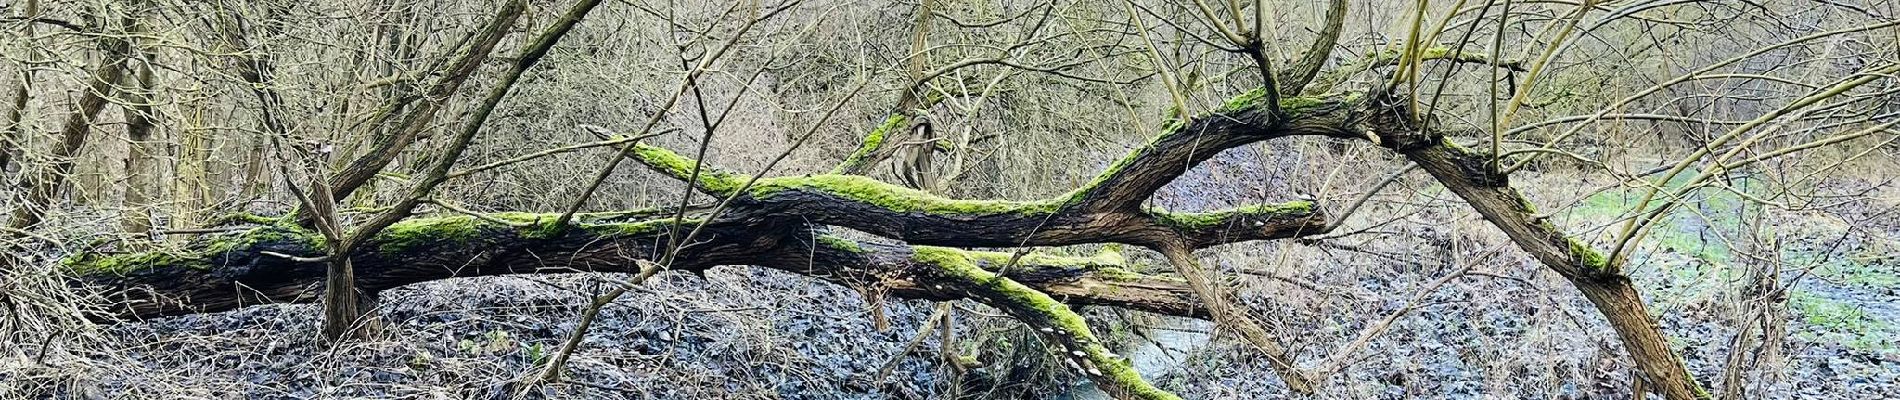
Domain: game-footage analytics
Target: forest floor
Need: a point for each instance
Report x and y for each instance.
(757, 333)
(740, 333)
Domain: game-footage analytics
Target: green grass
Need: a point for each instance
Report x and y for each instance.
(1846, 270)
(1692, 252)
(1843, 323)
(1714, 207)
(1689, 249)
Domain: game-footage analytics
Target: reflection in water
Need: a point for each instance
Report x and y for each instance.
(1166, 347)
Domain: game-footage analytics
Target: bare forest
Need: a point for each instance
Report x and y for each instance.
(950, 199)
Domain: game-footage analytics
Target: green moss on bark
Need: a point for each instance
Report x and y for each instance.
(997, 259)
(851, 187)
(1587, 256)
(872, 142)
(896, 198)
(1217, 219)
(413, 232)
(404, 236)
(199, 257)
(129, 263)
(1250, 99)
(840, 243)
(1293, 105)
(679, 167)
(1056, 319)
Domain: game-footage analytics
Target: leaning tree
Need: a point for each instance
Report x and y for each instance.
(847, 227)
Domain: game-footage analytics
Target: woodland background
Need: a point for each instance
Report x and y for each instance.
(1773, 280)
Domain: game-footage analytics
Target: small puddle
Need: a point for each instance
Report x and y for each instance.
(1163, 352)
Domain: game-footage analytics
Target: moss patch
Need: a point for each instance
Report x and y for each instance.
(893, 197)
(1061, 323)
(679, 167)
(1216, 219)
(403, 236)
(199, 257)
(1590, 258)
(997, 259)
(840, 243)
(1250, 99)
(851, 187)
(872, 142)
(128, 263)
(1301, 104)
(269, 234)
(1256, 98)
(414, 232)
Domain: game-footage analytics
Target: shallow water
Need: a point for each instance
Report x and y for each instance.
(1163, 352)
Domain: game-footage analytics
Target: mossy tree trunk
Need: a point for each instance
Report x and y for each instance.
(273, 263)
(1474, 177)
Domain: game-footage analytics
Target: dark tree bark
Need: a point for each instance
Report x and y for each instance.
(1473, 177)
(258, 266)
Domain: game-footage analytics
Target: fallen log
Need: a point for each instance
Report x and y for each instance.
(276, 263)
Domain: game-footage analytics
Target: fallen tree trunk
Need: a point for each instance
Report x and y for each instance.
(769, 225)
(271, 263)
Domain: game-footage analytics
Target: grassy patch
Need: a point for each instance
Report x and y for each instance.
(1692, 229)
(1845, 270)
(1842, 323)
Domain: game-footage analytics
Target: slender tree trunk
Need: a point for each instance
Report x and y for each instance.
(254, 183)
(916, 172)
(141, 169)
(16, 117)
(191, 189)
(344, 305)
(42, 187)
(1473, 177)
